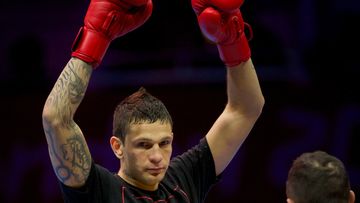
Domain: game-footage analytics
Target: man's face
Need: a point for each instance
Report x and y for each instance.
(146, 154)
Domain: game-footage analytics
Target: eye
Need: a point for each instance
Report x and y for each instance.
(144, 145)
(165, 143)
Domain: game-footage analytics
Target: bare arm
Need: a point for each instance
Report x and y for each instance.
(68, 150)
(245, 102)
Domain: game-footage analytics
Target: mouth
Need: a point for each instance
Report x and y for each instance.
(155, 171)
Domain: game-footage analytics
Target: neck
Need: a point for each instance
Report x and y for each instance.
(137, 183)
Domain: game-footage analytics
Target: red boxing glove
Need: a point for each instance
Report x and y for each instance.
(221, 22)
(106, 20)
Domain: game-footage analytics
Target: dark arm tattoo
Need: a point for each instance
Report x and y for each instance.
(73, 159)
(69, 90)
(68, 150)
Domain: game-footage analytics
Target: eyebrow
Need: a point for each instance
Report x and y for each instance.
(151, 140)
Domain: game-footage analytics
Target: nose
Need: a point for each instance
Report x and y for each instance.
(155, 155)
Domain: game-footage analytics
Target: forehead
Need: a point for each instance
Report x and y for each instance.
(150, 131)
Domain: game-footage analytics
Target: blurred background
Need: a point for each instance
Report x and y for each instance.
(306, 53)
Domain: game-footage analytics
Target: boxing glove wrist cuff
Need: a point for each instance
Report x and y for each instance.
(235, 53)
(90, 46)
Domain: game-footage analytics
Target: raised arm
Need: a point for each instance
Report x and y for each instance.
(68, 150)
(244, 106)
(105, 20)
(222, 23)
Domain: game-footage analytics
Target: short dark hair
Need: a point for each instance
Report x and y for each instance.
(318, 177)
(139, 107)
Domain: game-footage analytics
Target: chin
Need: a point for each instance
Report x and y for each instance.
(155, 179)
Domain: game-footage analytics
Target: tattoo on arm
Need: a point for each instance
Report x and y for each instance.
(74, 152)
(69, 91)
(68, 150)
(73, 158)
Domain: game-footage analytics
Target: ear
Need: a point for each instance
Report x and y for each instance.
(351, 197)
(117, 146)
(288, 200)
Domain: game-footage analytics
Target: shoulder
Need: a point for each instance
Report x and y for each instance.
(195, 154)
(197, 157)
(105, 175)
